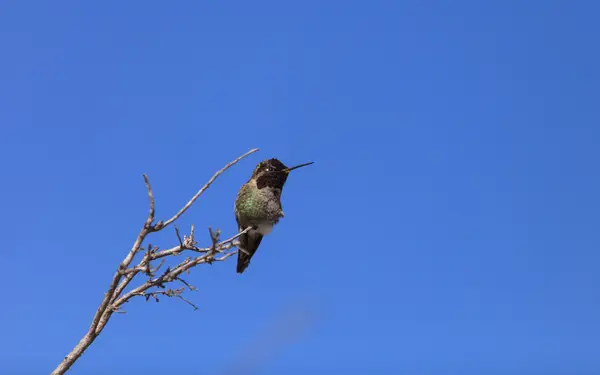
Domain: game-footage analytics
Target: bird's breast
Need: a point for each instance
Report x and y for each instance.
(265, 228)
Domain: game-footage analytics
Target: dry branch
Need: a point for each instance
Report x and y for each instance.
(114, 298)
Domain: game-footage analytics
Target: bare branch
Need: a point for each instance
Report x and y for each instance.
(150, 218)
(176, 251)
(170, 275)
(221, 246)
(110, 294)
(225, 256)
(114, 297)
(203, 188)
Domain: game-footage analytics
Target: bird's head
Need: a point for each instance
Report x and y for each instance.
(273, 173)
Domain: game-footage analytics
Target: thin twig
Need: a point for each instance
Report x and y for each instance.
(162, 261)
(214, 237)
(190, 287)
(150, 218)
(231, 239)
(168, 293)
(188, 302)
(178, 236)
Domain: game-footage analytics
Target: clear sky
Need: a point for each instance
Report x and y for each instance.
(449, 224)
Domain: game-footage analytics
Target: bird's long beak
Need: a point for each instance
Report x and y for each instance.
(288, 170)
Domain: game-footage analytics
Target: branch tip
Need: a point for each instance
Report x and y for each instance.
(206, 186)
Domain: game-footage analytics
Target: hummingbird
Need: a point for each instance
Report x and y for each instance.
(258, 205)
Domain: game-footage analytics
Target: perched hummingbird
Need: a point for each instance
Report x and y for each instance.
(258, 205)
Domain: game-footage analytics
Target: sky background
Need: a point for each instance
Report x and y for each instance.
(449, 224)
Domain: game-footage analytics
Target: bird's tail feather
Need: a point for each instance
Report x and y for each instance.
(249, 243)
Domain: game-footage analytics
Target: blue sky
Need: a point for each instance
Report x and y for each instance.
(449, 224)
